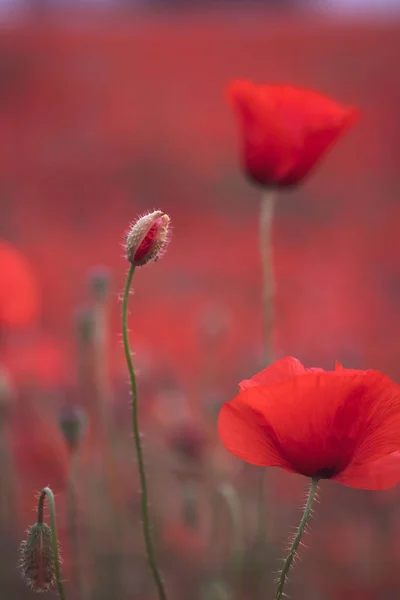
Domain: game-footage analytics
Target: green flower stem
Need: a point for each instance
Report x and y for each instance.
(295, 544)
(47, 493)
(151, 556)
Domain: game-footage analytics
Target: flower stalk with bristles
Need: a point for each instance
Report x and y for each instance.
(145, 242)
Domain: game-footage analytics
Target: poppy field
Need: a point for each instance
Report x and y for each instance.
(199, 306)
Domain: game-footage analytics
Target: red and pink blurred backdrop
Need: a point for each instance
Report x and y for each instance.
(103, 117)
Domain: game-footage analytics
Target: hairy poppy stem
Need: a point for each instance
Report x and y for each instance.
(47, 493)
(268, 279)
(151, 556)
(297, 538)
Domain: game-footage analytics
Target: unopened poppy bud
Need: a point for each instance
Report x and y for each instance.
(147, 238)
(72, 422)
(99, 281)
(37, 562)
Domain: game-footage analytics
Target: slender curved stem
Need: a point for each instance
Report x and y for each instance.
(268, 279)
(151, 556)
(47, 493)
(297, 538)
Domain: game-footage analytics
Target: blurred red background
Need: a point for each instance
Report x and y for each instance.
(104, 116)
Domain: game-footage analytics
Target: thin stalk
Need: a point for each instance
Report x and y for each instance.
(103, 392)
(6, 481)
(233, 505)
(72, 512)
(47, 493)
(297, 538)
(268, 279)
(268, 295)
(262, 509)
(151, 555)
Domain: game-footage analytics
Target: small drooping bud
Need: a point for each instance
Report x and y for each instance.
(147, 238)
(37, 562)
(72, 422)
(99, 280)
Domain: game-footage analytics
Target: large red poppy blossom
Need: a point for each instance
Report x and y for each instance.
(19, 292)
(285, 130)
(342, 425)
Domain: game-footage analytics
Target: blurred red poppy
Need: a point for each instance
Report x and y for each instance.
(19, 294)
(285, 130)
(342, 425)
(36, 358)
(40, 452)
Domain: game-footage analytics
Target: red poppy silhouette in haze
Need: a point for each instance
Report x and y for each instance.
(285, 130)
(40, 452)
(342, 425)
(19, 294)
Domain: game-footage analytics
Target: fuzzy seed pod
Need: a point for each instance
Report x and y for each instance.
(36, 562)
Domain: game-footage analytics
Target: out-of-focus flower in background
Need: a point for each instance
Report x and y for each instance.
(285, 130)
(19, 291)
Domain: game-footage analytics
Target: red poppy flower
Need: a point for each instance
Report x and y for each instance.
(285, 130)
(19, 293)
(342, 425)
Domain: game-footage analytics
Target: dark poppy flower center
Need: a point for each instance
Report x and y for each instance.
(326, 472)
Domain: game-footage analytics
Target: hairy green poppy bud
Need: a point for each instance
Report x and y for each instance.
(37, 563)
(147, 238)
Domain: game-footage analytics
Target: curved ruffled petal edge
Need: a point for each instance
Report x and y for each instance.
(280, 371)
(381, 474)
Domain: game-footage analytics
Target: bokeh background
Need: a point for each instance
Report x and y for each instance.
(106, 111)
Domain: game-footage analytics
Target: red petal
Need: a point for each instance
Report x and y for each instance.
(317, 143)
(269, 148)
(285, 130)
(305, 111)
(315, 424)
(380, 474)
(242, 433)
(282, 370)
